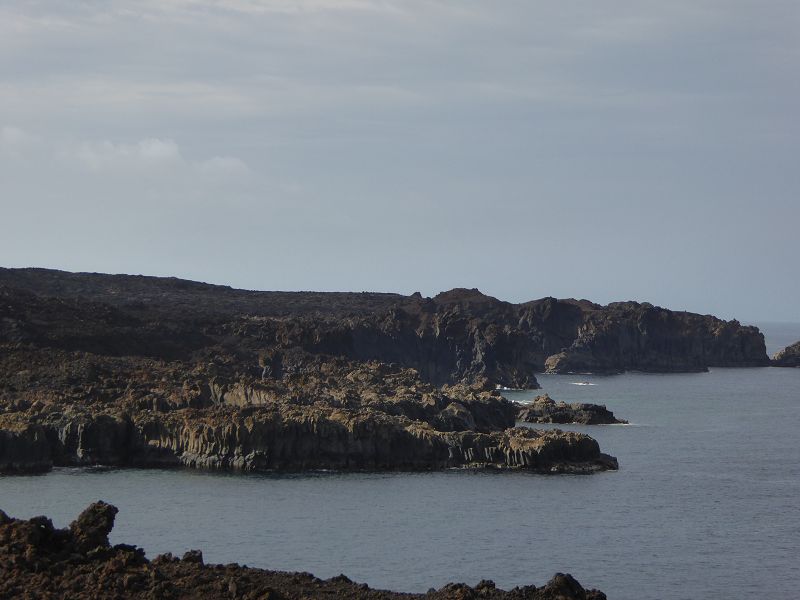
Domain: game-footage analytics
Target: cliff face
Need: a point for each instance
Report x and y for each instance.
(788, 357)
(69, 408)
(457, 335)
(131, 370)
(634, 336)
(39, 561)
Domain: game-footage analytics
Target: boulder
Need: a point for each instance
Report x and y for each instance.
(544, 409)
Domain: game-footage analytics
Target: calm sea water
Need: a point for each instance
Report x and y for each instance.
(706, 503)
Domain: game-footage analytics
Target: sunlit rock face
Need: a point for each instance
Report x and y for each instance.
(788, 357)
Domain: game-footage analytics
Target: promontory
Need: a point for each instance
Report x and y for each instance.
(134, 370)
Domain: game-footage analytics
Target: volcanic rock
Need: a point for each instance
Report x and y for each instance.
(71, 408)
(460, 335)
(131, 370)
(39, 561)
(544, 409)
(788, 357)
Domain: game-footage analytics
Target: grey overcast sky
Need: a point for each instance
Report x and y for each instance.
(625, 149)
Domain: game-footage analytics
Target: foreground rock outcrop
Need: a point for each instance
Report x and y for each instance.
(544, 409)
(788, 357)
(39, 561)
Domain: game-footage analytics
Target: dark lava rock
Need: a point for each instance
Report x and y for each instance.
(90, 530)
(39, 561)
(323, 413)
(456, 336)
(788, 357)
(544, 409)
(131, 370)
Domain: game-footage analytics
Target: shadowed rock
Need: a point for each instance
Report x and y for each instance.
(90, 530)
(455, 336)
(39, 561)
(130, 370)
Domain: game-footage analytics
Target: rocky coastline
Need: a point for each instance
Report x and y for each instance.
(143, 371)
(455, 336)
(788, 357)
(73, 409)
(38, 560)
(544, 409)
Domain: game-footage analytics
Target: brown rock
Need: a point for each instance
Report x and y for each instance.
(788, 357)
(38, 561)
(544, 409)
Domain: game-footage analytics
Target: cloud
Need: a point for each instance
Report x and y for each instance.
(13, 136)
(147, 153)
(15, 141)
(224, 166)
(150, 171)
(494, 118)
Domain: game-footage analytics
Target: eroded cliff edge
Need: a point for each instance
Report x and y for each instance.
(38, 560)
(131, 370)
(457, 335)
(72, 408)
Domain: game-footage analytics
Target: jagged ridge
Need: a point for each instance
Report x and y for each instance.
(461, 334)
(39, 561)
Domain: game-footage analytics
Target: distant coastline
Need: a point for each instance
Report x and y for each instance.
(135, 370)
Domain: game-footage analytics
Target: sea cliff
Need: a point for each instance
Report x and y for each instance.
(67, 408)
(456, 335)
(132, 370)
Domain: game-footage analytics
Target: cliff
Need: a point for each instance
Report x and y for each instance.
(39, 561)
(132, 370)
(69, 408)
(788, 357)
(458, 335)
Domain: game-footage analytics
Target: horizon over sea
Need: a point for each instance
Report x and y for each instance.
(705, 504)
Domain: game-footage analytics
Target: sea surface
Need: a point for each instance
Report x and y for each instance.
(706, 503)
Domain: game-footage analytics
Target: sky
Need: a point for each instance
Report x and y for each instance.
(616, 150)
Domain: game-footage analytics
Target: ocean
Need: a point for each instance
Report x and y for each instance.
(706, 503)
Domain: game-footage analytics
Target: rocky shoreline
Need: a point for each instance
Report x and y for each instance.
(39, 561)
(143, 371)
(73, 409)
(456, 336)
(788, 357)
(544, 409)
